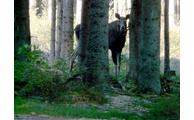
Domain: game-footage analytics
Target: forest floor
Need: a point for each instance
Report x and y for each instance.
(120, 103)
(119, 106)
(45, 117)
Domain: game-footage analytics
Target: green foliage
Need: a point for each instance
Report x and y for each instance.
(49, 83)
(30, 55)
(82, 94)
(36, 78)
(19, 101)
(165, 109)
(93, 96)
(19, 72)
(47, 87)
(22, 70)
(66, 110)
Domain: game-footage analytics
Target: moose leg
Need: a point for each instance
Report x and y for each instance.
(114, 58)
(115, 69)
(118, 61)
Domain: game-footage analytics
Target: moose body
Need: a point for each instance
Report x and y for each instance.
(117, 38)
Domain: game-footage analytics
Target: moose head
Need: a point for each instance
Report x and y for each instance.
(121, 23)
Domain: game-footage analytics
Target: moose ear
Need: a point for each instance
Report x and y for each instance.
(117, 15)
(127, 16)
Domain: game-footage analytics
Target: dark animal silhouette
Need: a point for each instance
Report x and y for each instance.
(117, 38)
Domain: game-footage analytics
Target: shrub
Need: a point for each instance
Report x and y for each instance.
(165, 109)
(50, 83)
(23, 69)
(35, 77)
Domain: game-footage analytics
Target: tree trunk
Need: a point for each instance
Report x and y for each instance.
(166, 37)
(97, 55)
(135, 37)
(67, 34)
(149, 77)
(53, 29)
(39, 6)
(46, 6)
(21, 27)
(84, 33)
(59, 29)
(74, 8)
(176, 11)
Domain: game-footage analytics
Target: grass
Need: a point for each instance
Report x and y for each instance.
(162, 108)
(165, 107)
(28, 107)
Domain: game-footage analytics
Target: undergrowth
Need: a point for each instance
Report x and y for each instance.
(67, 110)
(164, 109)
(41, 88)
(37, 78)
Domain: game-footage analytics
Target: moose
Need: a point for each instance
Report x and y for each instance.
(117, 38)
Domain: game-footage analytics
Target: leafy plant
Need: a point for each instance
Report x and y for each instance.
(36, 78)
(164, 109)
(49, 83)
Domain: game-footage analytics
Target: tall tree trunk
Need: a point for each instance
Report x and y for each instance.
(84, 33)
(75, 7)
(135, 37)
(149, 77)
(46, 6)
(97, 55)
(21, 27)
(53, 29)
(176, 11)
(39, 6)
(59, 29)
(67, 33)
(166, 37)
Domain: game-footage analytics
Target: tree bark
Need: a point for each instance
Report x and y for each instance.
(53, 29)
(135, 37)
(21, 27)
(176, 11)
(149, 77)
(84, 33)
(97, 55)
(59, 29)
(67, 33)
(166, 37)
(39, 6)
